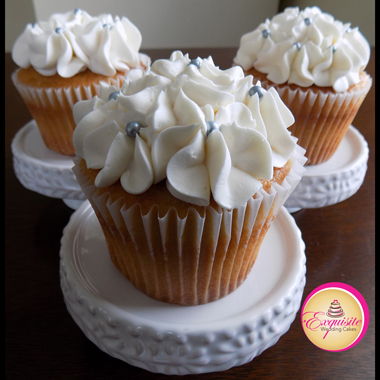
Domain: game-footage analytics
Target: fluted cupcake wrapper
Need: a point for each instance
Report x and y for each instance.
(321, 118)
(52, 109)
(193, 260)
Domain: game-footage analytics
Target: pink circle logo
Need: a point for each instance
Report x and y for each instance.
(335, 316)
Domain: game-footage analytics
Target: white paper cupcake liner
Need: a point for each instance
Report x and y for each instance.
(49, 96)
(196, 259)
(321, 118)
(51, 108)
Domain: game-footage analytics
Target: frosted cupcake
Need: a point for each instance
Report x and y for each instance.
(186, 167)
(64, 59)
(316, 64)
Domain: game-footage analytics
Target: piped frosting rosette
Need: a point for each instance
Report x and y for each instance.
(306, 47)
(316, 63)
(71, 42)
(72, 52)
(213, 139)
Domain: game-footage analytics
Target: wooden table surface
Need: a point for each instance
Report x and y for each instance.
(43, 342)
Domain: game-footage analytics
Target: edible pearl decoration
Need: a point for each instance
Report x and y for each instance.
(59, 30)
(113, 95)
(256, 90)
(266, 33)
(77, 11)
(133, 128)
(196, 62)
(211, 126)
(307, 21)
(298, 45)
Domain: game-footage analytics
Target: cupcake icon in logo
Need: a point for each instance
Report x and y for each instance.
(335, 310)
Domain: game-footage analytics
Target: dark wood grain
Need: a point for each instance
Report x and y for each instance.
(42, 341)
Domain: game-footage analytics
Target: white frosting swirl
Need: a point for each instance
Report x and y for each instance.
(176, 104)
(75, 41)
(305, 47)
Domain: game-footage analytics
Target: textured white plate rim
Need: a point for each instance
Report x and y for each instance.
(334, 180)
(356, 140)
(295, 272)
(30, 129)
(42, 170)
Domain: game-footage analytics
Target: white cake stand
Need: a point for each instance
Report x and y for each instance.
(42, 170)
(334, 180)
(172, 339)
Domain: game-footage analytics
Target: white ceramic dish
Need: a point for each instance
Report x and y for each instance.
(174, 339)
(42, 170)
(334, 180)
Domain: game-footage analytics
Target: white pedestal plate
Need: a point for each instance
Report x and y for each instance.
(175, 339)
(41, 170)
(334, 180)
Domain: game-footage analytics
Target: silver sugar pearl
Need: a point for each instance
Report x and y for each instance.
(196, 62)
(211, 126)
(298, 45)
(107, 26)
(333, 47)
(257, 90)
(133, 128)
(113, 95)
(77, 11)
(266, 33)
(59, 30)
(307, 21)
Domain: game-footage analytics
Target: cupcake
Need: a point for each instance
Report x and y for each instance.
(63, 60)
(316, 64)
(186, 166)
